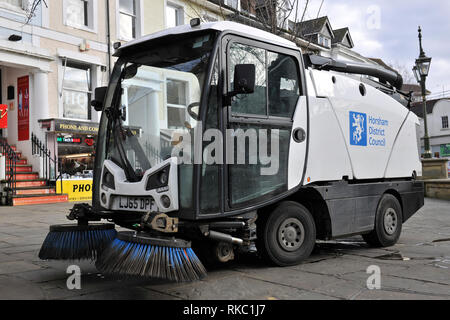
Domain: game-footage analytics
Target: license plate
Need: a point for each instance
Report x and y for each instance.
(133, 203)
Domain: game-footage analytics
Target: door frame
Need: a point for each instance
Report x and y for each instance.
(227, 118)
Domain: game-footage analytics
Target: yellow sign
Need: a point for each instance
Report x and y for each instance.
(78, 190)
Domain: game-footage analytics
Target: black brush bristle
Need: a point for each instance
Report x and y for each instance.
(139, 255)
(73, 242)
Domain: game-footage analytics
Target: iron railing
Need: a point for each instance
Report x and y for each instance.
(11, 166)
(50, 164)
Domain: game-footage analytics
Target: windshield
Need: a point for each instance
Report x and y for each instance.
(158, 87)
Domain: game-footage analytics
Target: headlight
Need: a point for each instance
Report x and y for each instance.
(159, 179)
(108, 179)
(163, 177)
(165, 200)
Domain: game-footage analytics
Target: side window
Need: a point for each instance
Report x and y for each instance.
(277, 85)
(284, 86)
(255, 103)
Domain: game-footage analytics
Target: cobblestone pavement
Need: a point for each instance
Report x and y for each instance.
(418, 267)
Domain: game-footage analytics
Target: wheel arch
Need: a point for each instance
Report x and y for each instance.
(398, 196)
(317, 206)
(312, 200)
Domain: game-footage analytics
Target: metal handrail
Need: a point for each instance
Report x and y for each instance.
(40, 149)
(11, 166)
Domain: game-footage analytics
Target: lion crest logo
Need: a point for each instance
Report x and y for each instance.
(358, 129)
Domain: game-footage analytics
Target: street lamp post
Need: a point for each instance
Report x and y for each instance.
(421, 70)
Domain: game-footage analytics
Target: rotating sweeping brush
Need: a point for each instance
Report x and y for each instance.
(134, 254)
(76, 242)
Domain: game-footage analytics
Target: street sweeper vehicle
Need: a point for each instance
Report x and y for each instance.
(218, 138)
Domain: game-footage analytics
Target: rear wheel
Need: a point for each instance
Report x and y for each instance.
(287, 235)
(388, 223)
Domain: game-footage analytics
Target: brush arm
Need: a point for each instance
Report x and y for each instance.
(83, 213)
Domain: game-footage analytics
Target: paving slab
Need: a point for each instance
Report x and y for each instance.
(418, 267)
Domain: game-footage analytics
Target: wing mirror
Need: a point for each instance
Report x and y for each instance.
(100, 94)
(244, 79)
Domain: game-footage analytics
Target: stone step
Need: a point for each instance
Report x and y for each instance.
(39, 199)
(21, 168)
(31, 183)
(22, 161)
(35, 191)
(18, 154)
(20, 176)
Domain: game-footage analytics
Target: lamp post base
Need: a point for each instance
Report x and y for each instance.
(428, 155)
(434, 169)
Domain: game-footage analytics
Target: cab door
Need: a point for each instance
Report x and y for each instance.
(260, 125)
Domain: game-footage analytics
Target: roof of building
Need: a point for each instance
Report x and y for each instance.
(219, 26)
(314, 26)
(417, 107)
(340, 34)
(417, 89)
(383, 64)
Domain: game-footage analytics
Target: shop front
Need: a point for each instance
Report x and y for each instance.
(73, 143)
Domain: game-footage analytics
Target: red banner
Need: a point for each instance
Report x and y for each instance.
(3, 116)
(23, 109)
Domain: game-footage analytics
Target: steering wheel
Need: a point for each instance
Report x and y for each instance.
(191, 112)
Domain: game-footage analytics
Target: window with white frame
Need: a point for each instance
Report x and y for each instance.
(323, 41)
(232, 3)
(76, 91)
(78, 13)
(16, 4)
(174, 15)
(128, 23)
(445, 122)
(176, 103)
(209, 18)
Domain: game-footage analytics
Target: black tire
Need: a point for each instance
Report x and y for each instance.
(286, 235)
(386, 234)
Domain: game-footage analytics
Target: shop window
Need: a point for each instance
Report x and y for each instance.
(78, 13)
(77, 92)
(176, 103)
(174, 16)
(128, 19)
(75, 154)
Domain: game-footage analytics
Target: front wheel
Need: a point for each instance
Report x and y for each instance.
(388, 223)
(287, 235)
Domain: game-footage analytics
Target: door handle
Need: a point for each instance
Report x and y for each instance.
(299, 135)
